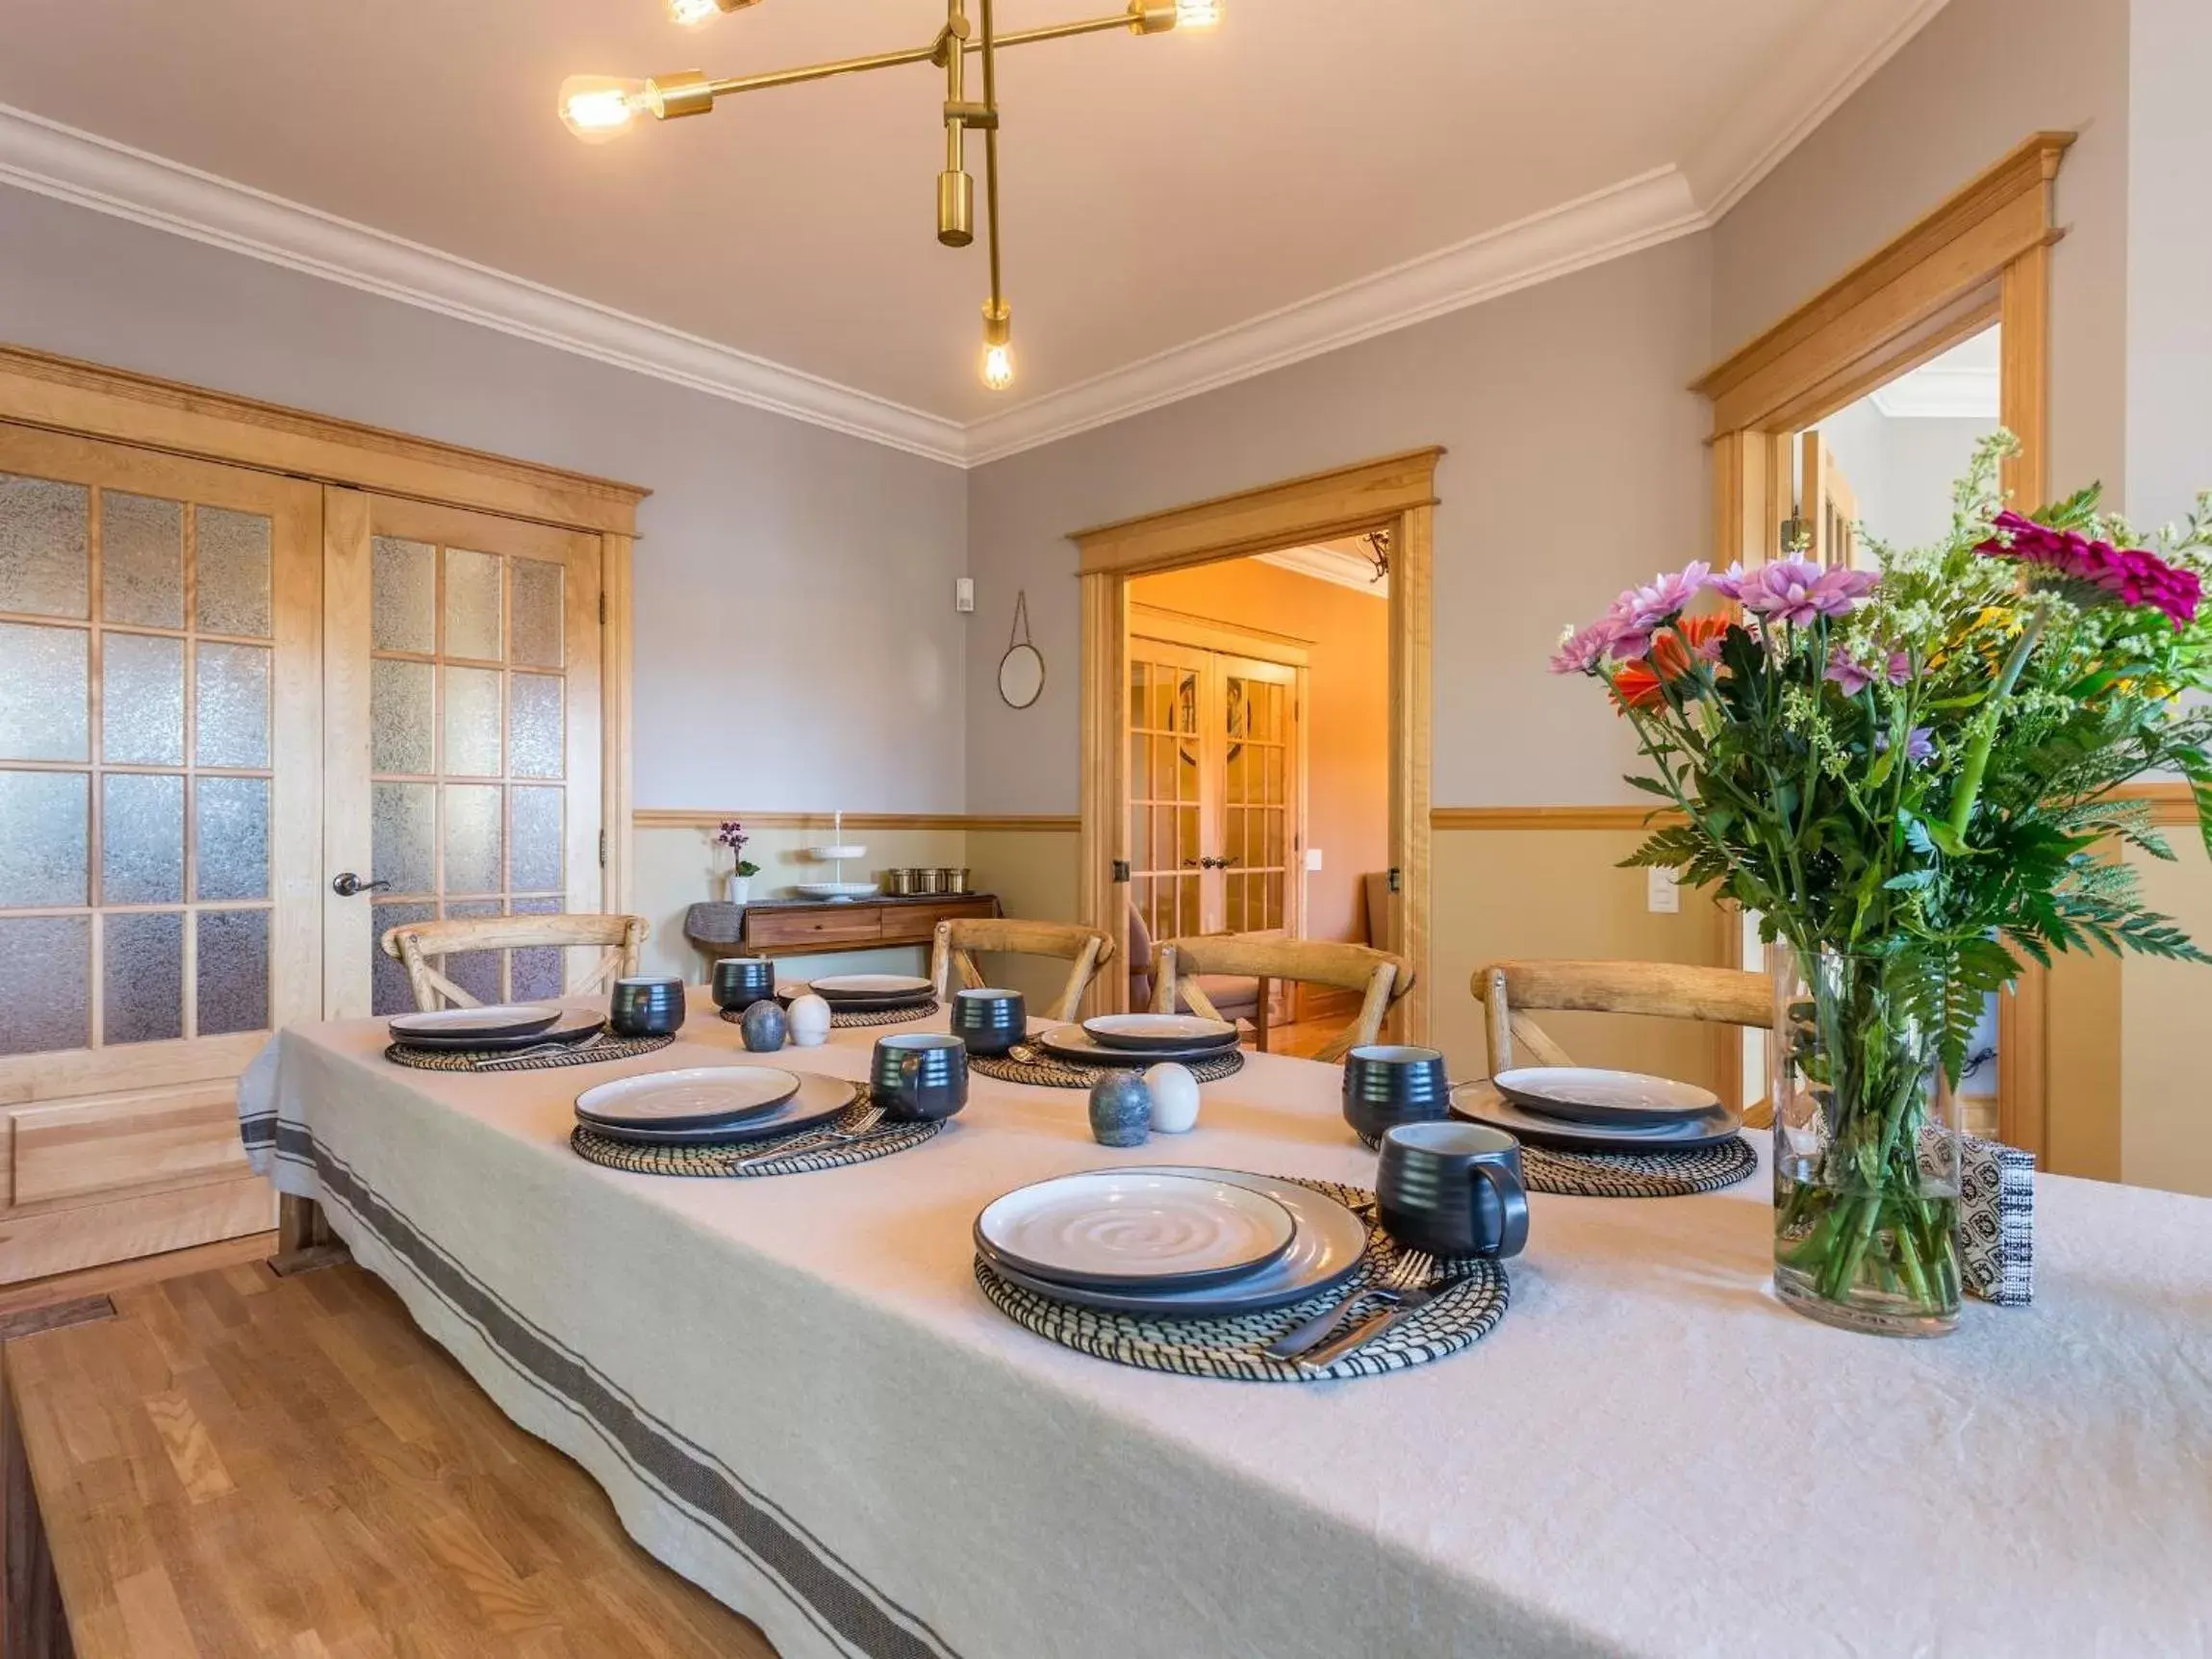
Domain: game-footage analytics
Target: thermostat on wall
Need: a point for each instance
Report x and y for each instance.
(963, 593)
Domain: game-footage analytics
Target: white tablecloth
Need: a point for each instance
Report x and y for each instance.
(797, 1396)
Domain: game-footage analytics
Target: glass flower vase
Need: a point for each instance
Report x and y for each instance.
(1866, 1145)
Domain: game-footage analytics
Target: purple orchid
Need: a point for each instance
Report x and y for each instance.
(1798, 591)
(2131, 575)
(1920, 744)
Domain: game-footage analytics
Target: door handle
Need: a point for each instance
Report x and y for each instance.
(1213, 863)
(345, 884)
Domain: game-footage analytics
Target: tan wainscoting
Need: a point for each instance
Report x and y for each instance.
(702, 818)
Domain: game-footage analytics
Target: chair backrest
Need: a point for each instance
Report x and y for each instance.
(1382, 978)
(1666, 990)
(412, 944)
(953, 954)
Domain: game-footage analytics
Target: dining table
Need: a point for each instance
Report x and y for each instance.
(796, 1394)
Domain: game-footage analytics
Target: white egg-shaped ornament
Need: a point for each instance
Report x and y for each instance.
(809, 1021)
(1174, 1098)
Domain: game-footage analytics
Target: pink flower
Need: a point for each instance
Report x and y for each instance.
(1920, 744)
(1850, 676)
(1899, 671)
(1640, 612)
(1728, 583)
(2132, 576)
(1581, 649)
(1798, 591)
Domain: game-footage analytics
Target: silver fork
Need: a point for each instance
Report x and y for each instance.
(1412, 1268)
(815, 1143)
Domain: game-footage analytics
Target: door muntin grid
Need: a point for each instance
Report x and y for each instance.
(137, 652)
(468, 744)
(1164, 778)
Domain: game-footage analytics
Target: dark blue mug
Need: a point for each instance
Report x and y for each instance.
(1386, 1084)
(920, 1077)
(989, 1022)
(740, 981)
(1453, 1189)
(645, 1007)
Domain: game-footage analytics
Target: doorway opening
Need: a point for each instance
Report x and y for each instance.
(1258, 725)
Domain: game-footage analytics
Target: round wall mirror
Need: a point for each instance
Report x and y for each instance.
(1020, 675)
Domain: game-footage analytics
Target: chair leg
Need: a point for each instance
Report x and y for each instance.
(1260, 1018)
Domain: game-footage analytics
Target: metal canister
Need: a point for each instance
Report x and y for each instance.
(901, 882)
(928, 880)
(954, 880)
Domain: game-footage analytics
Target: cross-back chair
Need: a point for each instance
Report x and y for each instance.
(953, 954)
(415, 944)
(1664, 990)
(1381, 979)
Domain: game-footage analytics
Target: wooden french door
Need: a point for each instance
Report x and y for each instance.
(464, 738)
(1214, 825)
(160, 784)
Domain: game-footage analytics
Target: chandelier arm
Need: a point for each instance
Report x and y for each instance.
(909, 55)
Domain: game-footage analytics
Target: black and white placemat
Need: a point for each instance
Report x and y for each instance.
(1630, 1174)
(590, 1052)
(860, 1019)
(1024, 1064)
(726, 1161)
(1467, 1310)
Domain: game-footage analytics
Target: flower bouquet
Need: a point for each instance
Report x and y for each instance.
(1910, 775)
(732, 834)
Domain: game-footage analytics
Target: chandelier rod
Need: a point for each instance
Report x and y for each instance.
(909, 55)
(991, 156)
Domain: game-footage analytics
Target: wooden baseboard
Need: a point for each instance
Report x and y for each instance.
(89, 1282)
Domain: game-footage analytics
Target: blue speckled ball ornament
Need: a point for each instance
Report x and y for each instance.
(1121, 1110)
(765, 1027)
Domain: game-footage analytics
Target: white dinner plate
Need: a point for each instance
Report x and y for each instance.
(695, 1097)
(1330, 1243)
(1589, 1095)
(819, 1100)
(1480, 1103)
(507, 1019)
(1161, 1032)
(844, 987)
(1107, 1228)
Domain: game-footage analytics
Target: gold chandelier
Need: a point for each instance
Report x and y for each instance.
(596, 108)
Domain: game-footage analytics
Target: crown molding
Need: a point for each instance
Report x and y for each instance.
(91, 171)
(1331, 565)
(1641, 213)
(1933, 392)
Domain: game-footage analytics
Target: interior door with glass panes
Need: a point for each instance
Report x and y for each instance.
(1168, 789)
(160, 760)
(465, 759)
(1255, 722)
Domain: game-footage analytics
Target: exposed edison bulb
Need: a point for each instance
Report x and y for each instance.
(596, 108)
(999, 367)
(1197, 13)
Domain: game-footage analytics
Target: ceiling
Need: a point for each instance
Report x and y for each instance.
(1180, 210)
(1960, 384)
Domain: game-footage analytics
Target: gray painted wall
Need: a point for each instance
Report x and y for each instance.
(797, 646)
(1574, 468)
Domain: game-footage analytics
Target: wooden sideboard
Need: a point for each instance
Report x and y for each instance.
(818, 927)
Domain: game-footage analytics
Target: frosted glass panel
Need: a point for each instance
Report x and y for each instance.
(231, 816)
(142, 978)
(539, 603)
(472, 721)
(230, 572)
(233, 951)
(45, 965)
(45, 839)
(142, 700)
(141, 838)
(538, 972)
(402, 833)
(472, 608)
(389, 990)
(142, 560)
(536, 725)
(402, 716)
(403, 596)
(45, 697)
(232, 705)
(45, 541)
(536, 831)
(471, 838)
(476, 972)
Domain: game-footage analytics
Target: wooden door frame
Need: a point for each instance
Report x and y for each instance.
(1982, 256)
(1395, 493)
(86, 399)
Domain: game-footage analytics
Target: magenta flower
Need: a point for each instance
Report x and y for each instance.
(1851, 677)
(1580, 651)
(2132, 576)
(1798, 591)
(1728, 583)
(1641, 612)
(1899, 671)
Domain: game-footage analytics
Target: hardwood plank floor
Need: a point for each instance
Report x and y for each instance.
(143, 1270)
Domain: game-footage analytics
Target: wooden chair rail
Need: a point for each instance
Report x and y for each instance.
(413, 943)
(1382, 978)
(954, 950)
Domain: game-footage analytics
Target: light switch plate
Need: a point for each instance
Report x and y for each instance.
(963, 593)
(1661, 892)
(1312, 857)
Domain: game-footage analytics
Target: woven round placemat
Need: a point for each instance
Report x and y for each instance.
(860, 1020)
(1629, 1174)
(723, 1160)
(590, 1052)
(1467, 1310)
(1023, 1064)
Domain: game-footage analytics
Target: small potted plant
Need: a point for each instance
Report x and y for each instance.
(733, 836)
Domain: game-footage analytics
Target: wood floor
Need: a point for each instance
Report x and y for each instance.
(240, 1465)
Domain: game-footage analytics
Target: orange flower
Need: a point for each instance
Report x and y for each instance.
(1674, 654)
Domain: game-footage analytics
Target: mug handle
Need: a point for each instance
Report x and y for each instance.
(1513, 1208)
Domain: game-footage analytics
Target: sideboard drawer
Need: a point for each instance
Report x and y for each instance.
(110, 1143)
(858, 926)
(917, 924)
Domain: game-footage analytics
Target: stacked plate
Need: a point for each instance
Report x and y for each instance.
(728, 1105)
(1139, 1039)
(1578, 1109)
(507, 1029)
(1171, 1242)
(866, 993)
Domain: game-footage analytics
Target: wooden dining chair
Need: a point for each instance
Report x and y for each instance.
(1382, 978)
(953, 952)
(414, 944)
(1664, 990)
